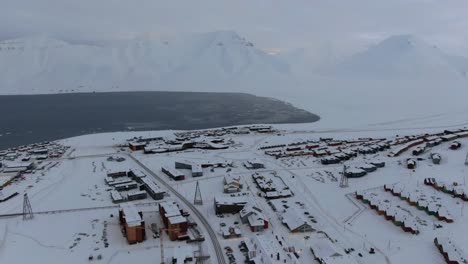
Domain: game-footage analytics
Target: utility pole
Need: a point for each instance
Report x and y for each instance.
(27, 209)
(198, 198)
(344, 178)
(161, 244)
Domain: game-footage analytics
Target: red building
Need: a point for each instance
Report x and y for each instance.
(174, 220)
(131, 223)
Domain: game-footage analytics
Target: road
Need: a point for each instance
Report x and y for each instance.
(211, 233)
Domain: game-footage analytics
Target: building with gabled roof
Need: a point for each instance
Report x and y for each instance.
(254, 217)
(295, 221)
(232, 183)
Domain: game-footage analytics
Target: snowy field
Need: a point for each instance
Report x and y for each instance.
(75, 218)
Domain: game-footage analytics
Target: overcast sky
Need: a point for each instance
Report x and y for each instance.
(283, 24)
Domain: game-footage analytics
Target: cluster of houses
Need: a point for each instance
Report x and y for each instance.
(326, 147)
(269, 249)
(219, 132)
(453, 189)
(384, 208)
(161, 145)
(132, 185)
(37, 151)
(427, 141)
(271, 187)
(338, 157)
(13, 170)
(361, 170)
(15, 162)
(451, 252)
(421, 201)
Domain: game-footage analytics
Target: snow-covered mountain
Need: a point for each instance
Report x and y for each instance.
(218, 61)
(401, 57)
(402, 75)
(399, 78)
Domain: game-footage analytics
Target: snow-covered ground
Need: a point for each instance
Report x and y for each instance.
(75, 217)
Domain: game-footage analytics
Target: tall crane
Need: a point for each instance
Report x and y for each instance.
(161, 245)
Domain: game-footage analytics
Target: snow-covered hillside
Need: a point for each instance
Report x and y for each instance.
(400, 78)
(402, 57)
(218, 61)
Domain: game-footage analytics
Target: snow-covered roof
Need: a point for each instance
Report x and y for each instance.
(326, 251)
(231, 200)
(294, 219)
(151, 184)
(177, 219)
(135, 192)
(132, 217)
(171, 208)
(116, 195)
(172, 171)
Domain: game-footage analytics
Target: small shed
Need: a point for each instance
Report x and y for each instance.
(411, 164)
(455, 145)
(436, 158)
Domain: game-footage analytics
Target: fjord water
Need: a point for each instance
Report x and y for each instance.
(28, 119)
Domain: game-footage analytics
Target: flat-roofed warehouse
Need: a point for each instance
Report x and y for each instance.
(228, 204)
(152, 188)
(196, 169)
(173, 173)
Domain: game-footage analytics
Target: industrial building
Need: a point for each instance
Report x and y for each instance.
(117, 174)
(116, 197)
(136, 195)
(254, 164)
(152, 188)
(18, 166)
(134, 145)
(196, 169)
(174, 174)
(228, 204)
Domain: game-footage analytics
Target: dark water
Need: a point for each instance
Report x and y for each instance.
(27, 119)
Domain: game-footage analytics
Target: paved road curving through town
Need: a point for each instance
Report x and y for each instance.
(211, 233)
